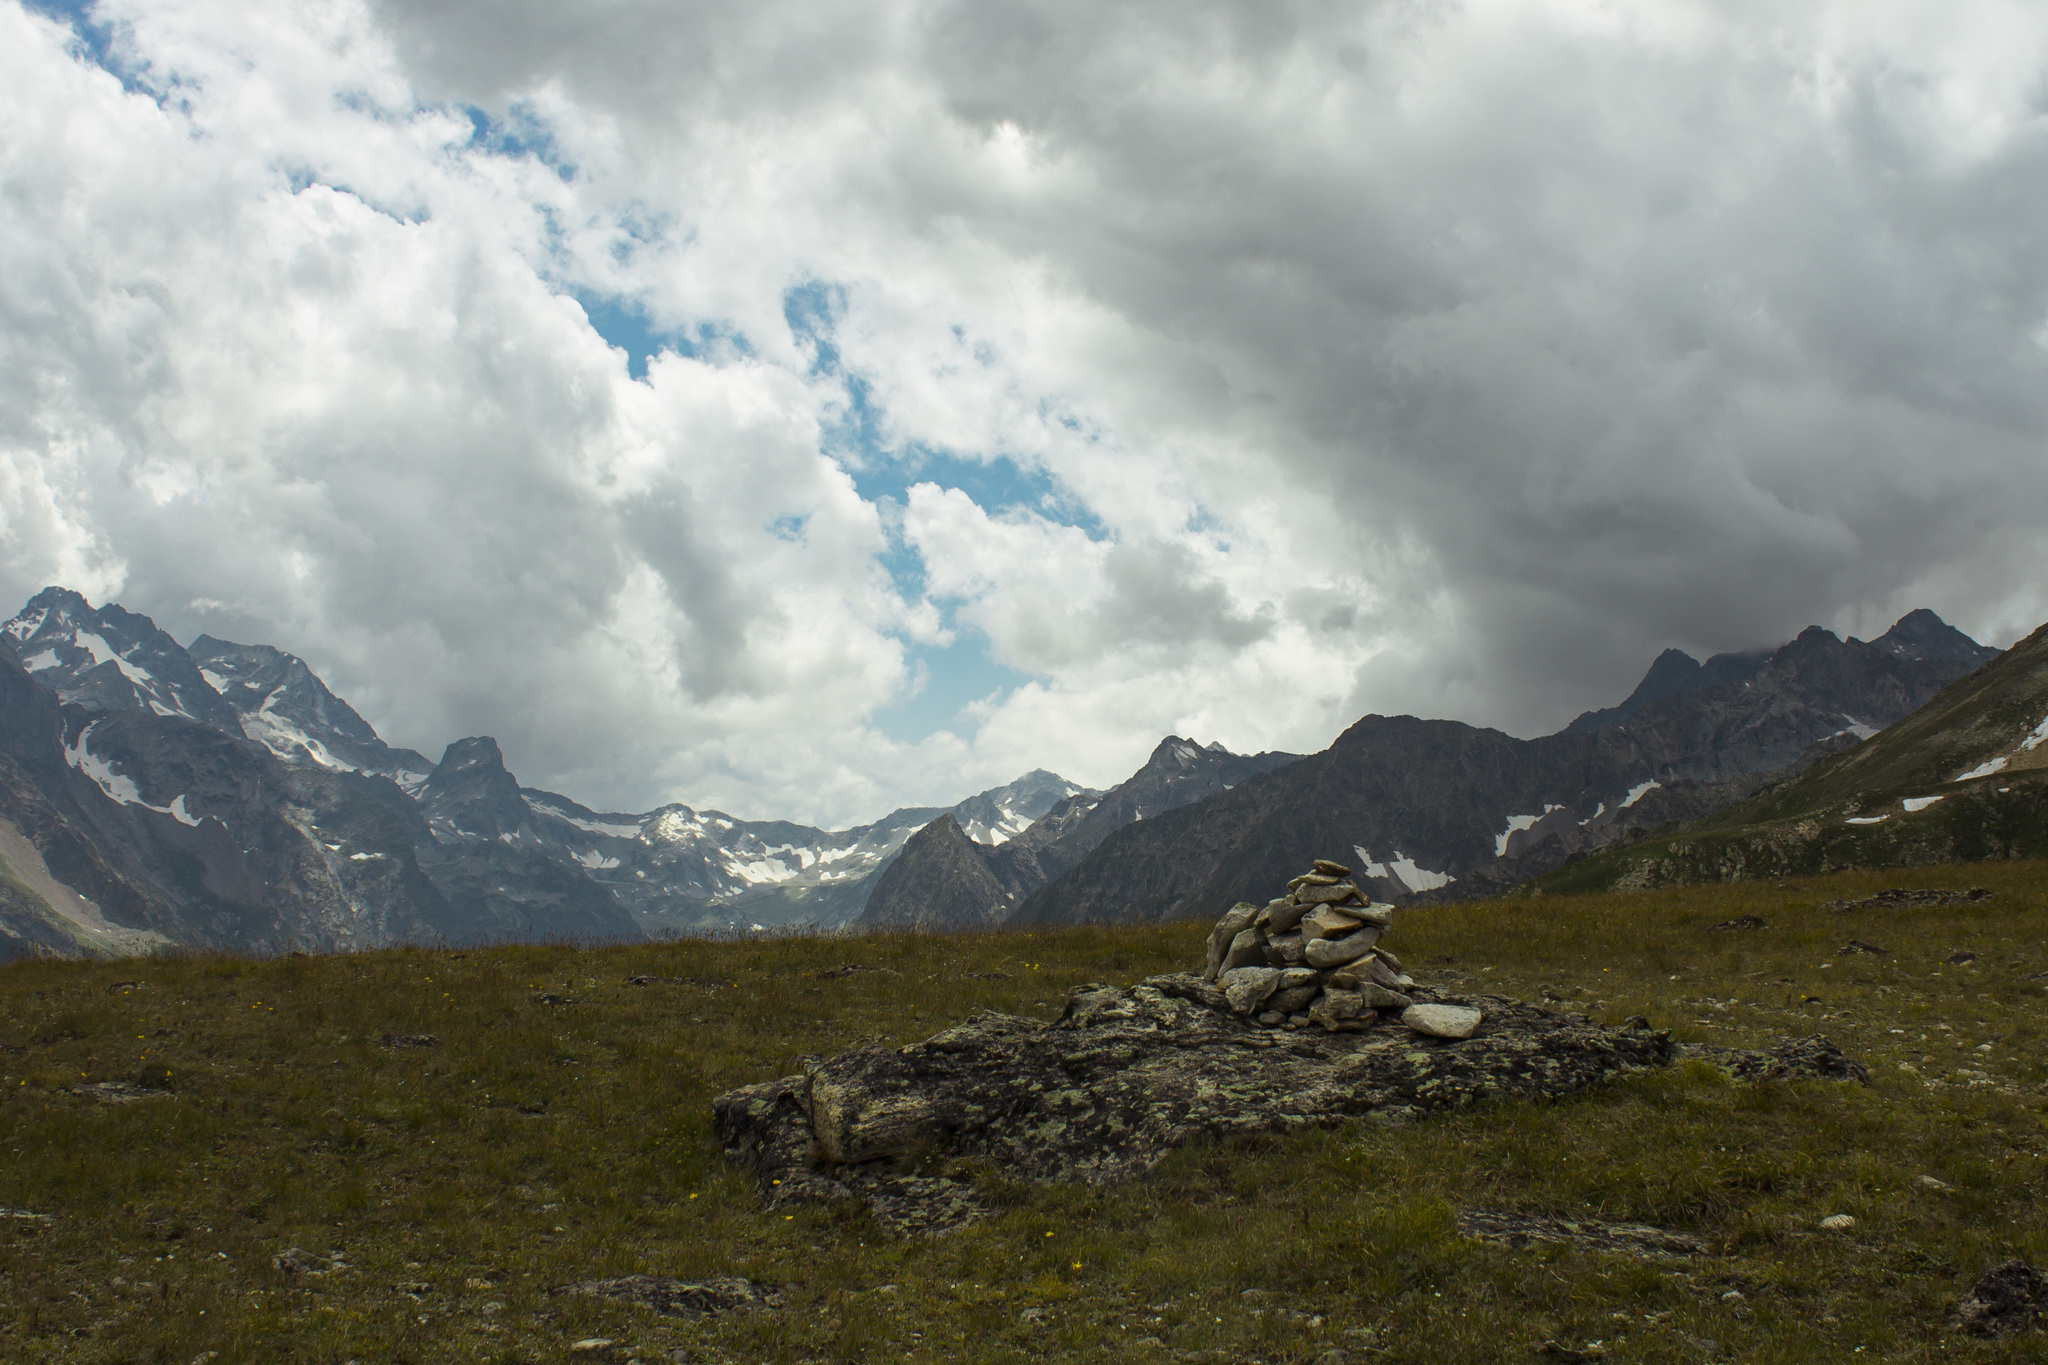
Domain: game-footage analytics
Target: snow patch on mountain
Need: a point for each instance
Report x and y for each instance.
(278, 734)
(613, 829)
(1984, 769)
(1517, 823)
(119, 787)
(1404, 870)
(1639, 791)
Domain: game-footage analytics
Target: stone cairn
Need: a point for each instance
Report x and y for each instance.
(1314, 957)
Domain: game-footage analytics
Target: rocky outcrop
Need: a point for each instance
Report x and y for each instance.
(1126, 1075)
(2006, 1300)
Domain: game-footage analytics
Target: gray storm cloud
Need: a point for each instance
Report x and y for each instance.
(1483, 350)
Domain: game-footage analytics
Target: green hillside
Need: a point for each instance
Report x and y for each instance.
(1963, 779)
(178, 1123)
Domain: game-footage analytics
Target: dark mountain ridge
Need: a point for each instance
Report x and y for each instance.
(944, 880)
(1962, 779)
(1440, 808)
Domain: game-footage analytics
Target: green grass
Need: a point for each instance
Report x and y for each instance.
(539, 1145)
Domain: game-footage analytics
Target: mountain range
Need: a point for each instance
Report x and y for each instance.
(230, 799)
(1962, 779)
(221, 795)
(1437, 809)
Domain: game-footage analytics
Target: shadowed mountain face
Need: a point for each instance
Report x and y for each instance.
(1964, 778)
(944, 880)
(1436, 809)
(1674, 671)
(1917, 636)
(1923, 635)
(152, 830)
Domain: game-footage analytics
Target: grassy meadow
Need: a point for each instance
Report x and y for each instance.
(559, 1131)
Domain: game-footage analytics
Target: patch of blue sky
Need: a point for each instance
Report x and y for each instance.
(519, 133)
(97, 41)
(997, 484)
(997, 481)
(953, 678)
(883, 473)
(624, 324)
(301, 177)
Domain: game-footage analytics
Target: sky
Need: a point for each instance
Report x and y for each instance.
(807, 409)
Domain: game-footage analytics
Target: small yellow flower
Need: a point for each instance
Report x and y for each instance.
(1077, 1265)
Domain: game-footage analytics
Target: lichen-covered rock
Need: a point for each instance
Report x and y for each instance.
(1285, 950)
(2010, 1299)
(1246, 988)
(1810, 1058)
(1246, 950)
(1335, 952)
(1235, 921)
(1291, 1001)
(1123, 1077)
(1442, 1021)
(1342, 1011)
(1327, 921)
(1284, 914)
(1384, 975)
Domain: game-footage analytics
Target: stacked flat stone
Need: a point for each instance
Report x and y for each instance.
(1313, 957)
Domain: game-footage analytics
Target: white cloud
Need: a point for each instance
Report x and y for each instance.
(1403, 357)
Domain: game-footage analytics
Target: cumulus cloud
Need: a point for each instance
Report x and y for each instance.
(1397, 356)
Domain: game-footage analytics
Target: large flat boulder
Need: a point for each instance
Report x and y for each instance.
(1125, 1075)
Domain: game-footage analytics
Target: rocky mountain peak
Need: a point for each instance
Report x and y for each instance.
(470, 794)
(1002, 813)
(943, 880)
(1174, 753)
(110, 659)
(1920, 634)
(284, 706)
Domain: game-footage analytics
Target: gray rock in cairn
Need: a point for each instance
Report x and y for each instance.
(1313, 957)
